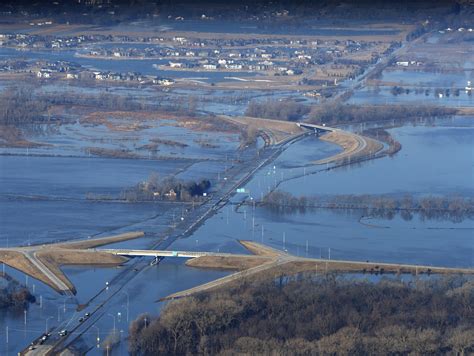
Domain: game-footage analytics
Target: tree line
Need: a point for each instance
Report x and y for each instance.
(314, 315)
(431, 207)
(18, 107)
(339, 113)
(335, 113)
(288, 110)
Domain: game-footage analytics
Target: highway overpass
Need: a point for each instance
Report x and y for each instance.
(164, 253)
(316, 128)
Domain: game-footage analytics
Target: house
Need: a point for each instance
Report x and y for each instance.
(210, 66)
(164, 81)
(233, 66)
(171, 194)
(41, 74)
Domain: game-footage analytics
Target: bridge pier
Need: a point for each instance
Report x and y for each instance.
(156, 260)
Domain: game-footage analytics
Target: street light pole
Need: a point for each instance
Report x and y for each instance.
(113, 317)
(98, 336)
(46, 327)
(128, 301)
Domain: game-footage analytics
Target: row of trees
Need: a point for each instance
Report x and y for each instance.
(339, 113)
(18, 107)
(447, 92)
(314, 315)
(13, 295)
(277, 109)
(440, 207)
(168, 188)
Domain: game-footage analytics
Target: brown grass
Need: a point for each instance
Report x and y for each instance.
(101, 241)
(79, 257)
(350, 145)
(54, 256)
(232, 262)
(111, 153)
(19, 262)
(364, 267)
(261, 250)
(279, 130)
(11, 136)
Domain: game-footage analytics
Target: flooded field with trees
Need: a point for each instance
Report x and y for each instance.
(110, 126)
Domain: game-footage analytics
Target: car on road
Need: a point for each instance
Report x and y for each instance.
(81, 319)
(63, 332)
(43, 339)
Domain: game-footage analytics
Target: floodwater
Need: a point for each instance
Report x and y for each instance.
(426, 87)
(50, 194)
(434, 160)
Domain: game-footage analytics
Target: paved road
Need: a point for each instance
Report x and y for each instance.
(233, 277)
(352, 265)
(60, 285)
(237, 175)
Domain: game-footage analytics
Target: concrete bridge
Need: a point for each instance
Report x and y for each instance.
(316, 128)
(164, 253)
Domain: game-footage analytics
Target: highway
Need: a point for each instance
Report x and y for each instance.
(60, 285)
(237, 175)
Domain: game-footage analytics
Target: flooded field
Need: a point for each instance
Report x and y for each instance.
(45, 191)
(433, 160)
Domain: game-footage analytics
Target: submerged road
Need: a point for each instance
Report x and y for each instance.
(237, 175)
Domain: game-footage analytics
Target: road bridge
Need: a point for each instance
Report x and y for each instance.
(165, 253)
(316, 128)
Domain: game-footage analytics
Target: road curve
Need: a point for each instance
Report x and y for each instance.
(60, 285)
